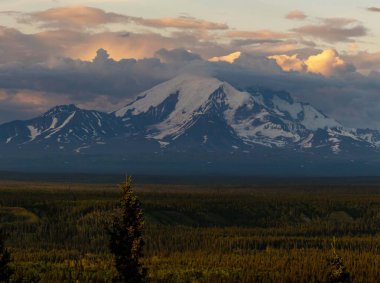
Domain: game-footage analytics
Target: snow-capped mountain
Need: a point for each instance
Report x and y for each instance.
(62, 125)
(204, 110)
(198, 122)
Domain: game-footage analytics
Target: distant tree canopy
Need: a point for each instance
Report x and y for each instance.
(126, 240)
(5, 259)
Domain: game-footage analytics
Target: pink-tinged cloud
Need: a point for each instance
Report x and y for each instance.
(120, 46)
(296, 15)
(3, 96)
(73, 17)
(79, 17)
(365, 62)
(288, 47)
(334, 30)
(374, 9)
(16, 46)
(44, 46)
(34, 100)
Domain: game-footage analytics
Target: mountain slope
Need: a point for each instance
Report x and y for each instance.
(196, 125)
(201, 110)
(62, 125)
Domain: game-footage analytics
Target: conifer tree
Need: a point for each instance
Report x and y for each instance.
(126, 240)
(5, 259)
(337, 272)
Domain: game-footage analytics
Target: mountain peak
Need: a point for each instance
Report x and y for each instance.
(176, 107)
(193, 89)
(193, 113)
(64, 108)
(186, 78)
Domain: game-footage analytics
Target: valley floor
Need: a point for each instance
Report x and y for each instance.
(213, 233)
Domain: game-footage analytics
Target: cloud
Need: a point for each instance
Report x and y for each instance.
(76, 17)
(245, 42)
(74, 32)
(256, 64)
(296, 15)
(364, 61)
(105, 84)
(373, 9)
(121, 45)
(288, 47)
(80, 17)
(334, 30)
(349, 97)
(181, 23)
(326, 63)
(24, 103)
(261, 34)
(176, 56)
(82, 81)
(87, 62)
(230, 58)
(289, 62)
(46, 46)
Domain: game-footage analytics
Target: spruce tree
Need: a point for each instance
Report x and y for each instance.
(337, 272)
(5, 259)
(126, 240)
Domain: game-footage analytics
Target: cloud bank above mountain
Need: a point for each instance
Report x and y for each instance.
(101, 60)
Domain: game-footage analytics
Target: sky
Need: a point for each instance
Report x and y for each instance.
(100, 54)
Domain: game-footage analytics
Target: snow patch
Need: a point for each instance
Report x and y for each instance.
(79, 149)
(34, 132)
(53, 123)
(293, 109)
(68, 119)
(307, 143)
(205, 138)
(314, 120)
(163, 144)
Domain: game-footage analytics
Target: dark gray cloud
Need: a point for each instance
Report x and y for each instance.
(334, 30)
(176, 56)
(106, 84)
(82, 80)
(102, 84)
(365, 61)
(19, 47)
